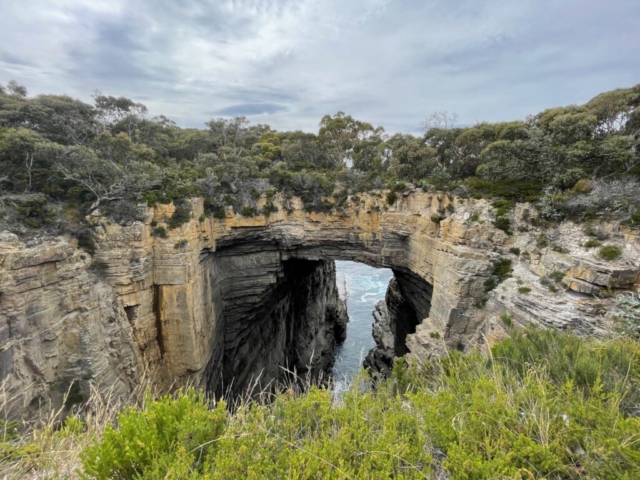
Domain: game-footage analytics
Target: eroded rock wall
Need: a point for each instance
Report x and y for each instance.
(148, 309)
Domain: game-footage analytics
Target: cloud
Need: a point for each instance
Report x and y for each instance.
(251, 109)
(289, 62)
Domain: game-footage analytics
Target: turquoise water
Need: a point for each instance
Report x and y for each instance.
(365, 286)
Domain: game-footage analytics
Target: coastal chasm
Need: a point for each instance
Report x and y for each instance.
(223, 302)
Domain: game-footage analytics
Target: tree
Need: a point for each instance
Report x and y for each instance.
(613, 109)
(22, 148)
(342, 134)
(15, 89)
(112, 110)
(441, 120)
(114, 169)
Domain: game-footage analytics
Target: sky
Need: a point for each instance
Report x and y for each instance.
(289, 62)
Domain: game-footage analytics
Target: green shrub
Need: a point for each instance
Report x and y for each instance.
(542, 240)
(154, 223)
(474, 217)
(504, 224)
(219, 213)
(524, 290)
(543, 401)
(557, 276)
(500, 271)
(450, 208)
(86, 241)
(559, 248)
(181, 244)
(610, 252)
(248, 211)
(503, 207)
(160, 232)
(181, 216)
(268, 209)
(592, 243)
(169, 439)
(515, 250)
(508, 188)
(34, 212)
(437, 218)
(99, 268)
(392, 197)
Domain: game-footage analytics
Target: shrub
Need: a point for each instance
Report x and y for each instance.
(34, 212)
(268, 209)
(169, 438)
(610, 253)
(592, 243)
(437, 218)
(160, 232)
(557, 276)
(99, 268)
(504, 224)
(515, 250)
(181, 244)
(551, 394)
(524, 290)
(248, 211)
(392, 197)
(450, 208)
(154, 223)
(500, 271)
(219, 213)
(559, 248)
(542, 240)
(503, 207)
(474, 217)
(181, 216)
(86, 241)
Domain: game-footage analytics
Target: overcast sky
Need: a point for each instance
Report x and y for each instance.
(289, 62)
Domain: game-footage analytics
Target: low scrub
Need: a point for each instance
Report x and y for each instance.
(543, 404)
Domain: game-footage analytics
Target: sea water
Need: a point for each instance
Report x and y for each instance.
(364, 287)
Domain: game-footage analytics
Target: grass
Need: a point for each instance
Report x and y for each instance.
(541, 405)
(610, 253)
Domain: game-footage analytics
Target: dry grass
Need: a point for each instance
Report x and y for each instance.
(49, 447)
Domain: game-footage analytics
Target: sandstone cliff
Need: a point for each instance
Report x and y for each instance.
(181, 309)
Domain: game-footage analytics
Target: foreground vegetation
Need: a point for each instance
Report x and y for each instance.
(63, 158)
(540, 405)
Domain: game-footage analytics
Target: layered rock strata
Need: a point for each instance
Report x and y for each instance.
(171, 311)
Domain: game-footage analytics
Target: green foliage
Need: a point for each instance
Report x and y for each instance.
(86, 241)
(474, 217)
(542, 241)
(515, 250)
(510, 189)
(34, 212)
(99, 268)
(500, 271)
(170, 438)
(160, 232)
(610, 252)
(392, 197)
(543, 405)
(504, 224)
(559, 248)
(180, 216)
(592, 243)
(557, 276)
(248, 211)
(524, 289)
(268, 209)
(181, 244)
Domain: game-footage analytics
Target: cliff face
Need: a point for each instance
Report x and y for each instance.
(213, 300)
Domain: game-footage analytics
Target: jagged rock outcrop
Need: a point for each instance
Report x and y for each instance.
(406, 303)
(172, 311)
